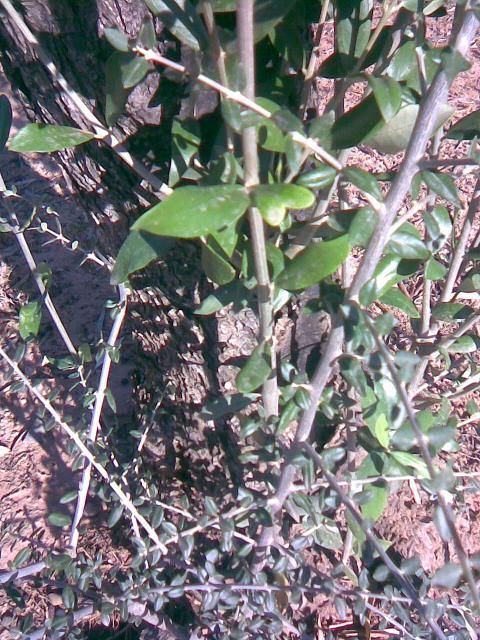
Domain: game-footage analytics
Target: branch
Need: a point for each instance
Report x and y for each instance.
(97, 412)
(86, 453)
(239, 98)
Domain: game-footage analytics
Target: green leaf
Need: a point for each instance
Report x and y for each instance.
(438, 226)
(45, 138)
(357, 124)
(390, 271)
(133, 71)
(412, 461)
(5, 120)
(221, 6)
(406, 243)
(466, 128)
(471, 282)
(59, 519)
(235, 293)
(358, 223)
(147, 37)
(256, 370)
(403, 62)
(353, 22)
(115, 515)
(464, 344)
(216, 265)
(117, 39)
(68, 597)
(453, 63)
(69, 497)
(434, 270)
(191, 212)
(327, 535)
(30, 318)
(314, 263)
(320, 178)
(181, 19)
(388, 94)
(273, 200)
(373, 466)
(447, 576)
(268, 13)
(138, 250)
(451, 312)
(22, 556)
(186, 138)
(226, 405)
(364, 181)
(443, 185)
(395, 298)
(115, 93)
(394, 136)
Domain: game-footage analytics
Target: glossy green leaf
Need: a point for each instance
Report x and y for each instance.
(453, 63)
(138, 250)
(216, 265)
(390, 271)
(234, 293)
(133, 71)
(268, 13)
(406, 363)
(5, 120)
(353, 22)
(182, 20)
(373, 466)
(434, 270)
(59, 519)
(314, 263)
(451, 312)
(363, 180)
(117, 39)
(327, 535)
(186, 138)
(403, 62)
(443, 185)
(464, 344)
(388, 95)
(146, 36)
(471, 282)
(357, 124)
(358, 223)
(22, 556)
(447, 576)
(191, 212)
(273, 200)
(395, 298)
(30, 317)
(227, 238)
(406, 243)
(438, 226)
(115, 515)
(320, 178)
(256, 370)
(466, 128)
(68, 597)
(226, 405)
(115, 93)
(45, 138)
(412, 461)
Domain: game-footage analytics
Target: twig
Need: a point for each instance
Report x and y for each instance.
(239, 98)
(401, 578)
(86, 453)
(97, 412)
(101, 131)
(423, 446)
(257, 229)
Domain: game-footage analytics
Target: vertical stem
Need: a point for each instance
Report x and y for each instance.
(257, 231)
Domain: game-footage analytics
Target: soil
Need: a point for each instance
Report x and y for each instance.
(35, 464)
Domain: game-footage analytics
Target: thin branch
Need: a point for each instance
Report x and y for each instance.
(423, 446)
(313, 62)
(86, 453)
(101, 131)
(401, 578)
(239, 98)
(96, 414)
(257, 229)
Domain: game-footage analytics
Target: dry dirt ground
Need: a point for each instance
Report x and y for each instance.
(34, 464)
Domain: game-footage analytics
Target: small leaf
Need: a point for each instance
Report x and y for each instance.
(381, 430)
(451, 312)
(464, 344)
(438, 226)
(314, 263)
(22, 556)
(117, 39)
(388, 95)
(191, 212)
(406, 243)
(471, 282)
(133, 71)
(434, 270)
(390, 271)
(225, 405)
(68, 597)
(59, 519)
(138, 250)
(447, 576)
(411, 460)
(69, 497)
(364, 181)
(5, 120)
(443, 185)
(215, 265)
(182, 20)
(256, 370)
(115, 93)
(395, 298)
(319, 178)
(115, 515)
(466, 128)
(273, 200)
(30, 318)
(46, 138)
